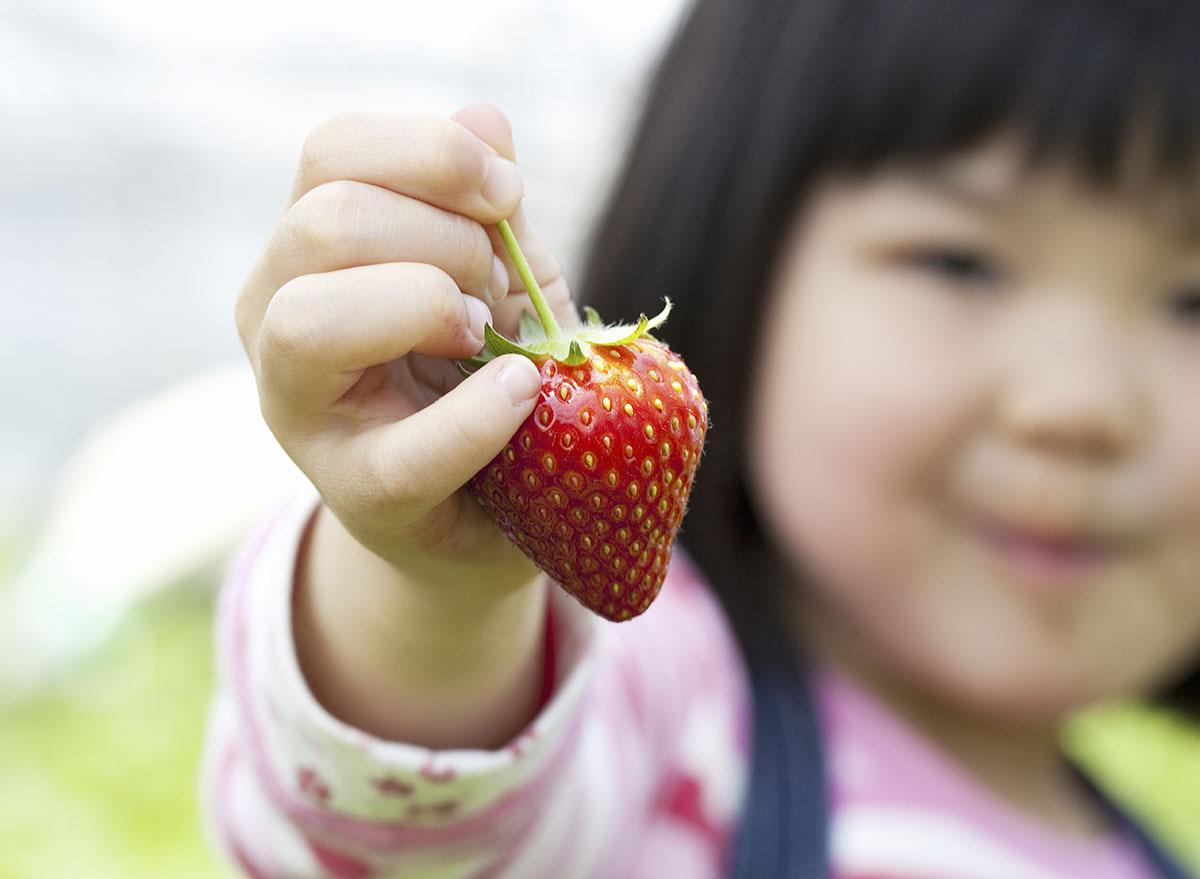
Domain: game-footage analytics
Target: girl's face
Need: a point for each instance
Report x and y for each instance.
(977, 428)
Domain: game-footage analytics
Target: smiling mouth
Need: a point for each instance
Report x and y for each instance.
(1054, 563)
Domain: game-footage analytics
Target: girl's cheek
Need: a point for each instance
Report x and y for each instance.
(865, 393)
(887, 394)
(853, 414)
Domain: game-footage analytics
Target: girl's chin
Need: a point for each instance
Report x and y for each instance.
(1013, 680)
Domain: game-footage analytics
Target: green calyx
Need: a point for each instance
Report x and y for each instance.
(541, 337)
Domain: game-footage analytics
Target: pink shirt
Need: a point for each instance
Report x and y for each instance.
(635, 767)
(901, 809)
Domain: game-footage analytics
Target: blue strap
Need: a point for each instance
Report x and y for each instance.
(784, 829)
(785, 821)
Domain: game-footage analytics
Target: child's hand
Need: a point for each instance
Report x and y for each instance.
(378, 275)
(415, 618)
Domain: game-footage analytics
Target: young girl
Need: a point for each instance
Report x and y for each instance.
(937, 268)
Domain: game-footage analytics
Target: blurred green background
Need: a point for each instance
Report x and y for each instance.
(100, 768)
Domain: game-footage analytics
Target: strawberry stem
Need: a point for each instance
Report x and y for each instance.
(549, 324)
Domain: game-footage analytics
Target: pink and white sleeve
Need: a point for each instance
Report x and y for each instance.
(633, 766)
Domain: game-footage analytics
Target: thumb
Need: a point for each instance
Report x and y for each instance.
(431, 454)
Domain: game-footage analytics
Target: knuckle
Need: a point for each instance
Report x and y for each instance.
(326, 220)
(294, 326)
(322, 145)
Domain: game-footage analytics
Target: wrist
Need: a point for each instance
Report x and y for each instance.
(401, 660)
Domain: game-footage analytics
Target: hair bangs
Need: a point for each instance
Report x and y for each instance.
(1110, 89)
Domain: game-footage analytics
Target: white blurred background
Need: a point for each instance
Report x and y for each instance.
(146, 148)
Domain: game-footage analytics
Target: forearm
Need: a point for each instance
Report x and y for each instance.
(439, 668)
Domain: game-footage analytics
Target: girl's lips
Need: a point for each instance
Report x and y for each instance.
(1048, 562)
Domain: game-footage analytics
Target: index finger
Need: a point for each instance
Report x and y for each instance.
(426, 157)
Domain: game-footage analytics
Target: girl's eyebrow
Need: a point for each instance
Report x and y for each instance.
(968, 189)
(996, 191)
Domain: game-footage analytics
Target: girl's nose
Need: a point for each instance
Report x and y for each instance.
(1070, 386)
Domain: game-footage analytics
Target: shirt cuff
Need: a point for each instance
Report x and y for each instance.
(312, 764)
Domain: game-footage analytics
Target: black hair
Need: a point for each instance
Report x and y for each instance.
(755, 101)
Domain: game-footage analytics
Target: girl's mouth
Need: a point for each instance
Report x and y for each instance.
(1051, 563)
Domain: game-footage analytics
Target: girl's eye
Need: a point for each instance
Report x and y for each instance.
(959, 266)
(1185, 305)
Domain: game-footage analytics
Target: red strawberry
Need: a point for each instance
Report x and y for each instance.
(594, 484)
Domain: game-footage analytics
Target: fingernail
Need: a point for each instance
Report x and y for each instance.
(502, 187)
(498, 286)
(477, 315)
(520, 379)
